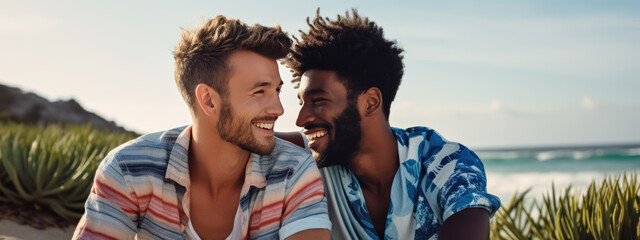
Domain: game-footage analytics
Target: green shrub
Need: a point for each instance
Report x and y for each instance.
(609, 210)
(52, 166)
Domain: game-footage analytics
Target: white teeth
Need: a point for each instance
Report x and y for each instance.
(316, 135)
(267, 126)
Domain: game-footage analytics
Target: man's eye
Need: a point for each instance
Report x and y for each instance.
(317, 101)
(259, 92)
(278, 90)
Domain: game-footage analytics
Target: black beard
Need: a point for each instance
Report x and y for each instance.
(346, 141)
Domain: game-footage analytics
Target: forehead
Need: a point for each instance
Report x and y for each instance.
(246, 68)
(321, 81)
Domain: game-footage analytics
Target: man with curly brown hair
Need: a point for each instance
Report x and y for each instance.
(381, 182)
(225, 176)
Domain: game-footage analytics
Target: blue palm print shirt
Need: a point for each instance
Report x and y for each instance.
(436, 178)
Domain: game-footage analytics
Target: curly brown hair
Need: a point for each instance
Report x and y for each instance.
(202, 53)
(356, 49)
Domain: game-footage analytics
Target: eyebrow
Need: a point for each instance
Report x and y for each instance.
(313, 91)
(264, 84)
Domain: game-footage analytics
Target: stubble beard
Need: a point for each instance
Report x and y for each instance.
(237, 131)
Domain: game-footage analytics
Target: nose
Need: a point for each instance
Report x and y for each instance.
(275, 108)
(305, 116)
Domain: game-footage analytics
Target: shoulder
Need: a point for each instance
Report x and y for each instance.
(296, 138)
(289, 154)
(286, 157)
(145, 155)
(432, 146)
(417, 133)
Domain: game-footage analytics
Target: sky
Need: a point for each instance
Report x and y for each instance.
(486, 74)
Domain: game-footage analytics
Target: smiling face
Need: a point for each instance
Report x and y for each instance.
(330, 119)
(248, 113)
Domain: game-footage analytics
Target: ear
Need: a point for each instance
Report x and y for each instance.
(370, 101)
(207, 99)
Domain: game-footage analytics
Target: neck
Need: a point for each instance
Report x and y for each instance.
(376, 163)
(215, 162)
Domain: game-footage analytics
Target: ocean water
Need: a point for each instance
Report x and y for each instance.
(518, 169)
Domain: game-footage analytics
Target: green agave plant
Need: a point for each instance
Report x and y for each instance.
(609, 210)
(52, 166)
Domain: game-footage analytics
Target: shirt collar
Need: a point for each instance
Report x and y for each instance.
(178, 166)
(254, 174)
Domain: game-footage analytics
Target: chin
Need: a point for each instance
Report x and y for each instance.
(261, 150)
(266, 149)
(315, 154)
(263, 147)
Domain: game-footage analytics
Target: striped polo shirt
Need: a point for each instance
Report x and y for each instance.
(142, 188)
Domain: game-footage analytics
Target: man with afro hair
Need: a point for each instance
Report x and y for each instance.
(381, 182)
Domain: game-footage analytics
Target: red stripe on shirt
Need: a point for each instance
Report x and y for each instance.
(90, 234)
(163, 217)
(106, 192)
(302, 196)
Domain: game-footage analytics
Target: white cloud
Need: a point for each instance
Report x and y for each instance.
(481, 125)
(403, 110)
(587, 46)
(588, 104)
(496, 105)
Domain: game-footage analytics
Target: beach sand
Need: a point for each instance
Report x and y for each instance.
(10, 230)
